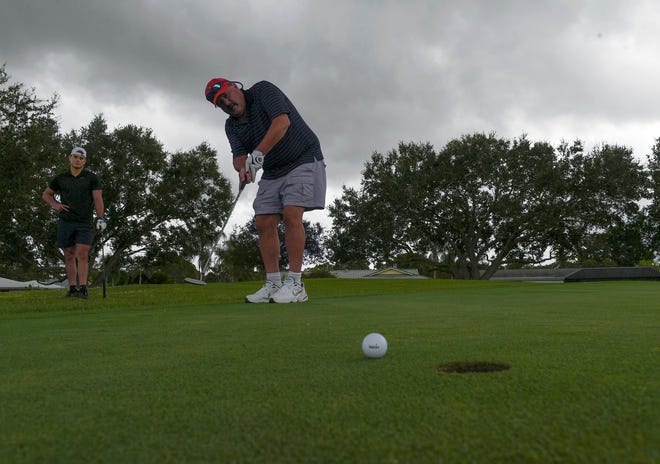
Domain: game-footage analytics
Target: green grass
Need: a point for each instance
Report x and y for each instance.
(181, 373)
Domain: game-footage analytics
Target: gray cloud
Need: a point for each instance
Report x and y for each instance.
(364, 74)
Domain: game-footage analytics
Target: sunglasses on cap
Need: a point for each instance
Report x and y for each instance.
(215, 88)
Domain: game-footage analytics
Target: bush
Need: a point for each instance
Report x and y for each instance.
(319, 272)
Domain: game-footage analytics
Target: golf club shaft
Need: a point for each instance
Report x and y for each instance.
(105, 277)
(222, 230)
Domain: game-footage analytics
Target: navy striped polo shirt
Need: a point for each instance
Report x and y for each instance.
(264, 101)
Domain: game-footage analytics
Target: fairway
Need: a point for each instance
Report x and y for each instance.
(184, 373)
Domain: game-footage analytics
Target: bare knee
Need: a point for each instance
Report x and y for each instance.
(292, 217)
(81, 252)
(69, 253)
(266, 223)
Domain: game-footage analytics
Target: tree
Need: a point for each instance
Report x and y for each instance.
(348, 240)
(603, 222)
(203, 198)
(240, 259)
(651, 212)
(158, 267)
(491, 200)
(29, 147)
(473, 205)
(156, 203)
(483, 202)
(380, 222)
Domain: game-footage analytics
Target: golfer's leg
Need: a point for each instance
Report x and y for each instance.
(294, 236)
(70, 265)
(269, 242)
(82, 256)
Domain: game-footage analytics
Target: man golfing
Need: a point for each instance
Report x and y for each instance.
(265, 131)
(80, 193)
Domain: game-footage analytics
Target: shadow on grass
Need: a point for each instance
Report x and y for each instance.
(470, 367)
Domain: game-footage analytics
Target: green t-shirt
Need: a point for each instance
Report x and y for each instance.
(76, 192)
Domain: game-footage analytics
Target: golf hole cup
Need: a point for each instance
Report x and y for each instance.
(374, 345)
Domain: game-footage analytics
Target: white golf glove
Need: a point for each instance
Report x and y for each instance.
(101, 223)
(253, 163)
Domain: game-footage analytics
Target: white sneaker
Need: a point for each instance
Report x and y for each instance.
(290, 292)
(264, 293)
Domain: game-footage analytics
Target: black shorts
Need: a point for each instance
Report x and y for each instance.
(71, 233)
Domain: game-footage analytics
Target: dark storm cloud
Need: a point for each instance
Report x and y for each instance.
(364, 74)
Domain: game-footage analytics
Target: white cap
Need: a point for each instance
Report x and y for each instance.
(79, 151)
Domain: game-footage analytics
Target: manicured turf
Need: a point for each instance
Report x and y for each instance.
(182, 373)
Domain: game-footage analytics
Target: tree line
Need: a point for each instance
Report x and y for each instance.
(484, 202)
(164, 209)
(479, 203)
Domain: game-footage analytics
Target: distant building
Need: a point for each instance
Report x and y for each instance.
(591, 274)
(387, 273)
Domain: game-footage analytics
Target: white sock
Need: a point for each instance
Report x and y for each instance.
(274, 277)
(295, 276)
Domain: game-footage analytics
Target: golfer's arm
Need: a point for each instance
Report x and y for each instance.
(276, 131)
(97, 195)
(274, 134)
(48, 197)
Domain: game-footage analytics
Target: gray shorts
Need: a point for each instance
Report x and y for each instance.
(304, 186)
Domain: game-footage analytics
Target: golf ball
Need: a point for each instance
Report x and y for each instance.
(374, 345)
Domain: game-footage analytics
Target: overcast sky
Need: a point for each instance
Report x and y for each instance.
(364, 74)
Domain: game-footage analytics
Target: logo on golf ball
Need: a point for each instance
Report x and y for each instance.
(374, 345)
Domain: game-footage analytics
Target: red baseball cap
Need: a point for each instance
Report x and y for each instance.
(215, 88)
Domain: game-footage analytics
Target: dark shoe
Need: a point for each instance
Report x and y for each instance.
(82, 293)
(72, 293)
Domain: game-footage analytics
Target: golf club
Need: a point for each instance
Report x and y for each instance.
(105, 277)
(190, 280)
